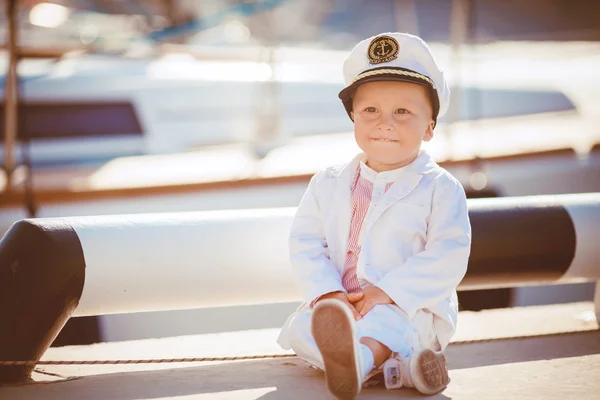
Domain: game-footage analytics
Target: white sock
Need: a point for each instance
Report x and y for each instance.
(366, 360)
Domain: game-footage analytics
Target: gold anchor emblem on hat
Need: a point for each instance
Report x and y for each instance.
(383, 49)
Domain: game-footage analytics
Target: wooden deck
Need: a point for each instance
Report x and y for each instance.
(542, 352)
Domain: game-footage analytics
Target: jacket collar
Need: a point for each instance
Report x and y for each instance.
(422, 165)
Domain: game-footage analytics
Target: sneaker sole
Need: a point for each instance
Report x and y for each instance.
(433, 374)
(333, 331)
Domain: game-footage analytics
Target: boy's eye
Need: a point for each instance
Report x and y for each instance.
(402, 111)
(370, 109)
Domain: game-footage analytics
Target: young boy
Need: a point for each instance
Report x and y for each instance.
(380, 244)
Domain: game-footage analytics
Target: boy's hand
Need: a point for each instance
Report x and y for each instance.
(371, 297)
(348, 298)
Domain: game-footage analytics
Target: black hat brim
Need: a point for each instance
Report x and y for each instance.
(347, 93)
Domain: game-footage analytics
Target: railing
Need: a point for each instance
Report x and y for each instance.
(54, 268)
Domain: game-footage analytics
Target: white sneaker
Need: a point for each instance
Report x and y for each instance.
(426, 371)
(396, 373)
(333, 331)
(429, 371)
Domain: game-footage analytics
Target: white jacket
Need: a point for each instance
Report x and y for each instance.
(415, 243)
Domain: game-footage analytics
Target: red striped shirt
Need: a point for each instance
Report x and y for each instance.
(361, 196)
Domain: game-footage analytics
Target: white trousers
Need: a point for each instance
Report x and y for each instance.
(386, 323)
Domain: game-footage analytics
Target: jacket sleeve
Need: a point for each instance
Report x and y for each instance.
(432, 275)
(309, 253)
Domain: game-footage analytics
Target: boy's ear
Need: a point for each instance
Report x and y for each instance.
(429, 132)
(352, 115)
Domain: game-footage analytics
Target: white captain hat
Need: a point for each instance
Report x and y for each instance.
(395, 56)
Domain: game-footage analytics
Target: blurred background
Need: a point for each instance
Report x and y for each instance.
(113, 107)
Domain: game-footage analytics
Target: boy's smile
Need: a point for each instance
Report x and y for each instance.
(391, 119)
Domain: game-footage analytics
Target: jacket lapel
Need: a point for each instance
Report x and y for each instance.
(398, 191)
(402, 187)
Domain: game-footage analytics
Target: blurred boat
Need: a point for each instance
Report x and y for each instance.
(178, 133)
(90, 108)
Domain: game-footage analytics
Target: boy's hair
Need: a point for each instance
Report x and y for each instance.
(395, 57)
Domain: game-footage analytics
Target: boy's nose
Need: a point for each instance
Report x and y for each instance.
(385, 124)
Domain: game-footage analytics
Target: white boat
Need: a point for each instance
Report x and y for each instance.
(528, 131)
(96, 107)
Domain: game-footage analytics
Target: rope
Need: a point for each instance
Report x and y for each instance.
(147, 361)
(393, 72)
(254, 357)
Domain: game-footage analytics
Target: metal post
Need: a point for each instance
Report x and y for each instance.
(11, 95)
(597, 301)
(269, 133)
(405, 14)
(459, 23)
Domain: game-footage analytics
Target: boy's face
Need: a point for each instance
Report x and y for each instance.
(391, 120)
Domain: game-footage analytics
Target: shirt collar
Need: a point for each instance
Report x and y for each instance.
(418, 165)
(373, 176)
(423, 164)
